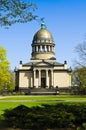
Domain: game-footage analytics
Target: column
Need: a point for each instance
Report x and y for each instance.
(34, 71)
(52, 48)
(49, 48)
(52, 78)
(46, 77)
(40, 48)
(45, 48)
(40, 78)
(36, 48)
(31, 82)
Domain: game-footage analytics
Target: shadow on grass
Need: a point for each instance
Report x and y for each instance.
(45, 117)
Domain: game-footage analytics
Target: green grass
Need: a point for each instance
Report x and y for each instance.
(51, 97)
(30, 98)
(9, 102)
(10, 105)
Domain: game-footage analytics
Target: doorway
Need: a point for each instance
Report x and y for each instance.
(43, 82)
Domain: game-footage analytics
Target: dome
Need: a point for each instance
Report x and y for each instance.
(43, 35)
(42, 44)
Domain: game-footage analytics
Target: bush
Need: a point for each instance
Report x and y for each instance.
(47, 116)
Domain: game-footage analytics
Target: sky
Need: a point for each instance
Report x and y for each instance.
(65, 19)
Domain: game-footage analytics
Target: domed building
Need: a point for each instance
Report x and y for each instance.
(43, 71)
(43, 44)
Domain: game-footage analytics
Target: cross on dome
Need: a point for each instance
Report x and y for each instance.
(43, 26)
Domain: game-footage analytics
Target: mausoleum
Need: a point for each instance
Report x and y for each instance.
(43, 71)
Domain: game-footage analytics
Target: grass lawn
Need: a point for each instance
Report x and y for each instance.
(7, 102)
(49, 97)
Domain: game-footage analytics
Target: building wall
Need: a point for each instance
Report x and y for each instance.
(42, 55)
(59, 67)
(25, 79)
(62, 79)
(24, 67)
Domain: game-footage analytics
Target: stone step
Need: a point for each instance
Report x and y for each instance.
(43, 90)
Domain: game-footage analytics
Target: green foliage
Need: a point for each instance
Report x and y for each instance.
(5, 77)
(14, 11)
(84, 125)
(79, 79)
(82, 76)
(11, 85)
(4, 68)
(47, 116)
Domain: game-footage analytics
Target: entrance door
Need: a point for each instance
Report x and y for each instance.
(43, 82)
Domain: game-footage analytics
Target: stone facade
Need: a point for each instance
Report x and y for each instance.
(43, 70)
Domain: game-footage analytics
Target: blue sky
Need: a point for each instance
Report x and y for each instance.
(65, 19)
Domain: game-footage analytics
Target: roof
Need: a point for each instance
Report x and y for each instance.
(43, 35)
(48, 62)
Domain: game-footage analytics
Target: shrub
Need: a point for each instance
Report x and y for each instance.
(47, 116)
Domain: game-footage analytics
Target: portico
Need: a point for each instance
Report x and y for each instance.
(43, 77)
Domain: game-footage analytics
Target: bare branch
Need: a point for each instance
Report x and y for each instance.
(81, 50)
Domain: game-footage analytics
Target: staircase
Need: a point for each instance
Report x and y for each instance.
(43, 91)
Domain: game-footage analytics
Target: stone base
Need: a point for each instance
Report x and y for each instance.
(39, 91)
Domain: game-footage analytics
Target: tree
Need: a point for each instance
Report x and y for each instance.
(79, 79)
(11, 86)
(81, 50)
(14, 11)
(5, 77)
(79, 73)
(80, 76)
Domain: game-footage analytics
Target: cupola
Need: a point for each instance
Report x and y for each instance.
(43, 44)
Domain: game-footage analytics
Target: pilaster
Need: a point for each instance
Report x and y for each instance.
(34, 71)
(39, 77)
(52, 81)
(46, 77)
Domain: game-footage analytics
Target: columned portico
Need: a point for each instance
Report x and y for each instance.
(43, 77)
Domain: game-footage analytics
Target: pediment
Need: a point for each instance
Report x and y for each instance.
(43, 64)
